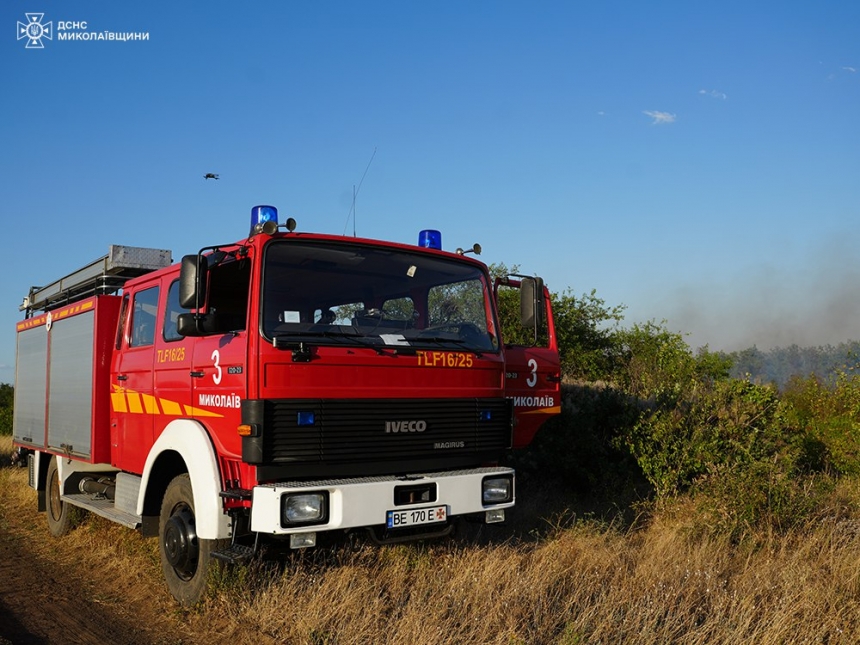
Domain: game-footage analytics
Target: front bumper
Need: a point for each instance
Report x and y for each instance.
(364, 501)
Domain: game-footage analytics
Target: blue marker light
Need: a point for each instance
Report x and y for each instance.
(430, 239)
(305, 418)
(262, 214)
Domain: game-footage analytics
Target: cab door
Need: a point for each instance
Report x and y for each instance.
(219, 358)
(532, 365)
(218, 380)
(133, 404)
(173, 352)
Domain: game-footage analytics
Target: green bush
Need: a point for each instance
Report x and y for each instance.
(715, 428)
(654, 364)
(615, 434)
(657, 365)
(5, 421)
(585, 327)
(830, 413)
(737, 449)
(579, 448)
(7, 397)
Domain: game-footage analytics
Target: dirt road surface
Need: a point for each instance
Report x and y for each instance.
(66, 591)
(40, 605)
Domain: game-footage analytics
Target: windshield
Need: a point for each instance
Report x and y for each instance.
(331, 293)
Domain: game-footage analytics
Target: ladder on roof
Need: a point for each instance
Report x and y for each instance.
(104, 276)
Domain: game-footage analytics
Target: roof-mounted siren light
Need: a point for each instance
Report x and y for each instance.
(264, 219)
(430, 239)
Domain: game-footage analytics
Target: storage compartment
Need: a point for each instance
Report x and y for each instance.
(62, 390)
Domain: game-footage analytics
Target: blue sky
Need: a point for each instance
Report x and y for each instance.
(698, 163)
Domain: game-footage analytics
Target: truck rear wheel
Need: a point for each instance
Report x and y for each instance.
(60, 514)
(185, 558)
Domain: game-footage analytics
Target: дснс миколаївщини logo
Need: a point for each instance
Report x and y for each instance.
(34, 30)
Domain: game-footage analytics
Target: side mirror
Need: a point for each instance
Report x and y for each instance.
(199, 324)
(192, 281)
(532, 305)
(186, 325)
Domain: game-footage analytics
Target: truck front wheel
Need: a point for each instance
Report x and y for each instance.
(185, 558)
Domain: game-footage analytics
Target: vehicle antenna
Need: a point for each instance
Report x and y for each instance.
(355, 194)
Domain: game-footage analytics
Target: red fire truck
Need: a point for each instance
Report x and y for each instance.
(286, 386)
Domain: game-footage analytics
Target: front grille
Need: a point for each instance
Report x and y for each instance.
(355, 429)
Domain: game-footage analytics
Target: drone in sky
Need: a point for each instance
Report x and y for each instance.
(211, 175)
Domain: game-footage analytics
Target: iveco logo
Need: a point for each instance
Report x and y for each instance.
(405, 426)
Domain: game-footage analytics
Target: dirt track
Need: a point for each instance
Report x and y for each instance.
(39, 605)
(51, 592)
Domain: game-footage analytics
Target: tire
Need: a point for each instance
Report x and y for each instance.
(60, 514)
(185, 558)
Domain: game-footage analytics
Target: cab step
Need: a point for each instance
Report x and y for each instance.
(104, 507)
(235, 554)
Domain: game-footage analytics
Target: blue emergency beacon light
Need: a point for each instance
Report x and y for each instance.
(260, 218)
(430, 239)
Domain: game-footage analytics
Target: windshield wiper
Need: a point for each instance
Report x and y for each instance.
(439, 340)
(297, 339)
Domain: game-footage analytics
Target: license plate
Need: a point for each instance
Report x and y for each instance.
(416, 517)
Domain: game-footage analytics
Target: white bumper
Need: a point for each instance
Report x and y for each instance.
(364, 501)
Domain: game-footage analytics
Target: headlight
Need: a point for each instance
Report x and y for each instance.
(497, 490)
(304, 508)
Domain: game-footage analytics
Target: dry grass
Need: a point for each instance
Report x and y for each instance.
(582, 583)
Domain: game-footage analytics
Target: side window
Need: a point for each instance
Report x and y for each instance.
(143, 317)
(229, 284)
(123, 315)
(171, 313)
(457, 303)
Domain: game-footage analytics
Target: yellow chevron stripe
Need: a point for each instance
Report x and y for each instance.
(130, 401)
(171, 408)
(197, 412)
(150, 403)
(554, 410)
(117, 402)
(134, 404)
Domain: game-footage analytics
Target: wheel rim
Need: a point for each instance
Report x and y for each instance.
(55, 505)
(180, 542)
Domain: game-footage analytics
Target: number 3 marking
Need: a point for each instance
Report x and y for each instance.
(531, 381)
(217, 377)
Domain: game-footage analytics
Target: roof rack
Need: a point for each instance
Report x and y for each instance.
(104, 276)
